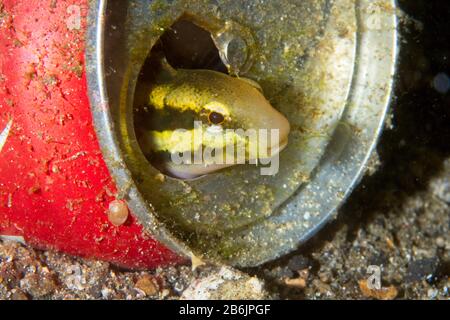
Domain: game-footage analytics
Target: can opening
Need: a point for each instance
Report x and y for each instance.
(188, 46)
(184, 45)
(300, 79)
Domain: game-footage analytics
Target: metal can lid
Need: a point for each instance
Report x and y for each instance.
(327, 65)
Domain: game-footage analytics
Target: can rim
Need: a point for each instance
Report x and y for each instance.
(106, 135)
(381, 81)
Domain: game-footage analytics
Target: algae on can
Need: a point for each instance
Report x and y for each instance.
(327, 65)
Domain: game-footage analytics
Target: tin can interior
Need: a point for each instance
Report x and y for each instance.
(326, 65)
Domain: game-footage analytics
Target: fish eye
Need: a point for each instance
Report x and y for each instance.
(216, 118)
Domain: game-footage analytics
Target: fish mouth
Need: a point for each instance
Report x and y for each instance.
(276, 149)
(272, 151)
(196, 171)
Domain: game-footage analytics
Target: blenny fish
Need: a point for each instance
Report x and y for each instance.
(220, 103)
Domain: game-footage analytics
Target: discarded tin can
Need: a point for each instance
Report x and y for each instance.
(328, 66)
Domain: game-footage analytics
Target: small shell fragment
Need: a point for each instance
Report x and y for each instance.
(147, 285)
(226, 283)
(196, 262)
(118, 212)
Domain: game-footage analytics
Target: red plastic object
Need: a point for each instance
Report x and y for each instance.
(54, 185)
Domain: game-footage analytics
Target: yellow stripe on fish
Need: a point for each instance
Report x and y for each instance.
(224, 101)
(183, 140)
